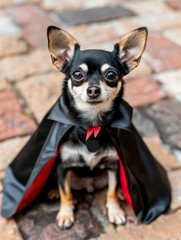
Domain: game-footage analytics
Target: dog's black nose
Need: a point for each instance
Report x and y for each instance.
(93, 91)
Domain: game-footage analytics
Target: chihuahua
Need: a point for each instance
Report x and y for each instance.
(92, 89)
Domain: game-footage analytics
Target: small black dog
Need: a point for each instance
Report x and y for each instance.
(92, 90)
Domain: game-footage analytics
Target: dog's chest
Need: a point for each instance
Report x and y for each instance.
(76, 153)
(79, 156)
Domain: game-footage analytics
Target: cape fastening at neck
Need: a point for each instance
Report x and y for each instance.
(92, 144)
(93, 130)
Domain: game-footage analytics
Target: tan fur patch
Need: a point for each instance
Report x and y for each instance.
(105, 67)
(84, 67)
(65, 216)
(115, 212)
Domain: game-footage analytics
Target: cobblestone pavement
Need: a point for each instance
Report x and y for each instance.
(29, 85)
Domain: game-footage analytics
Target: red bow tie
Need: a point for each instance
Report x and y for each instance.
(92, 130)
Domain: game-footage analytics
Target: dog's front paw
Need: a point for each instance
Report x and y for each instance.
(116, 215)
(65, 217)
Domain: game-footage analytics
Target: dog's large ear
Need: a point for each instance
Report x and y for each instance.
(131, 46)
(61, 45)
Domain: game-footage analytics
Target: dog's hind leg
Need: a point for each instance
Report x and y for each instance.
(115, 213)
(65, 216)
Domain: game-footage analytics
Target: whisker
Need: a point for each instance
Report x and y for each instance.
(75, 98)
(109, 96)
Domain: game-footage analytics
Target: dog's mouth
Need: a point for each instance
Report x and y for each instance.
(94, 102)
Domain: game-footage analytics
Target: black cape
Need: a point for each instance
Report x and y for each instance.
(144, 182)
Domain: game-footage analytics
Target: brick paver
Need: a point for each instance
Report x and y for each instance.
(17, 67)
(13, 122)
(147, 8)
(171, 81)
(9, 230)
(174, 35)
(29, 85)
(163, 153)
(6, 3)
(8, 27)
(10, 45)
(176, 189)
(162, 53)
(9, 149)
(34, 22)
(40, 92)
(167, 115)
(101, 32)
(3, 83)
(156, 22)
(175, 4)
(143, 91)
(93, 15)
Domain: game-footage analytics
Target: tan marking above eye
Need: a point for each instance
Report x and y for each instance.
(105, 67)
(84, 67)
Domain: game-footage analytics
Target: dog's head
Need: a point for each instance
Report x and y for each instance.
(94, 77)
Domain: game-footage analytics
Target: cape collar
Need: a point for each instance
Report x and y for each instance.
(60, 113)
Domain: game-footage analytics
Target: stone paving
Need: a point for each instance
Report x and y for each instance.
(29, 85)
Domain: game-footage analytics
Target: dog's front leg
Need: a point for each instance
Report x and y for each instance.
(116, 214)
(65, 216)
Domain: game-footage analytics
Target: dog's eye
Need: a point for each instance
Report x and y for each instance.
(78, 76)
(111, 76)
